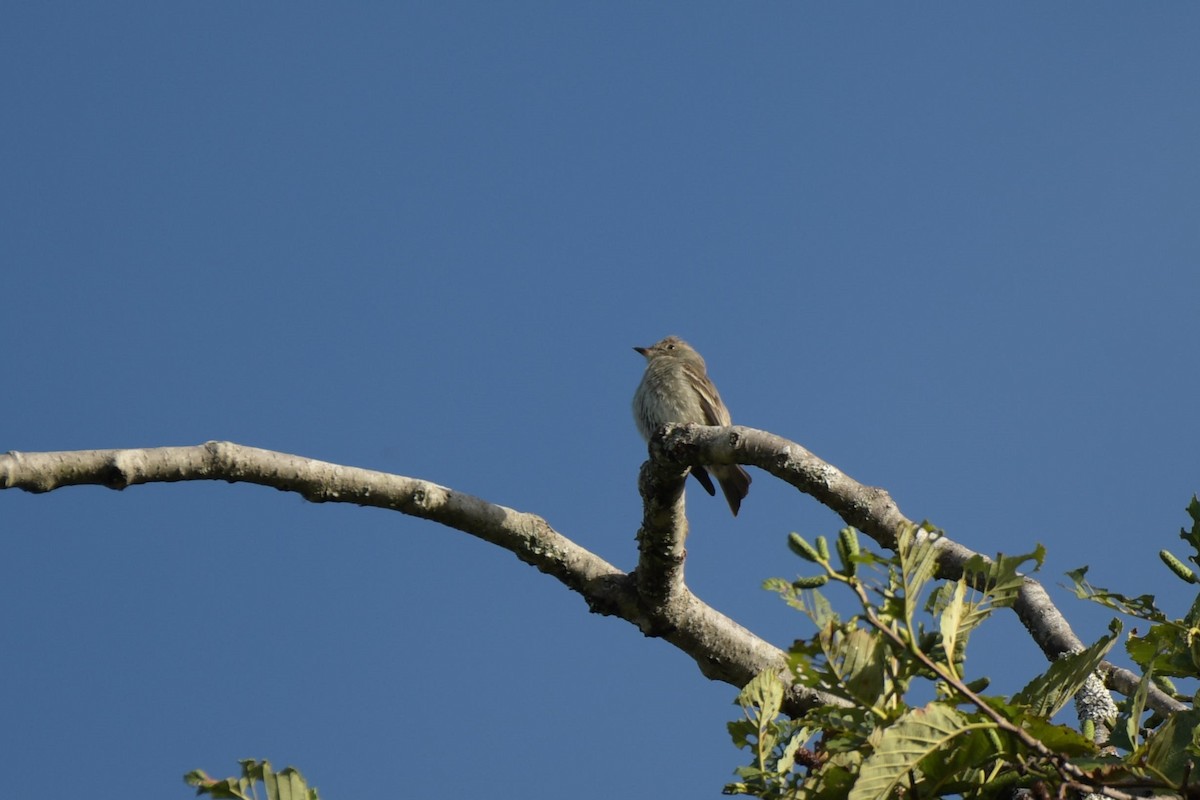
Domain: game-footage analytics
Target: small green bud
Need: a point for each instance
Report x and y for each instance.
(849, 539)
(994, 738)
(847, 546)
(823, 548)
(802, 548)
(979, 684)
(1089, 728)
(813, 582)
(929, 641)
(1177, 566)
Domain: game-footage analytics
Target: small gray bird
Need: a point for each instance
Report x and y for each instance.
(676, 388)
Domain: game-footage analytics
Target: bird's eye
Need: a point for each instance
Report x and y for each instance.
(671, 347)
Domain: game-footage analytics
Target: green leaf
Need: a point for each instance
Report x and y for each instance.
(1193, 615)
(951, 621)
(777, 585)
(956, 769)
(226, 789)
(1057, 738)
(289, 785)
(1192, 537)
(1172, 749)
(285, 785)
(1141, 606)
(1000, 578)
(1127, 731)
(807, 601)
(845, 661)
(772, 740)
(820, 610)
(786, 757)
(918, 551)
(1165, 647)
(832, 781)
(742, 731)
(1048, 693)
(904, 745)
(857, 661)
(764, 692)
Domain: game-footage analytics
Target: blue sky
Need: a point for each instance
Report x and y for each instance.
(952, 249)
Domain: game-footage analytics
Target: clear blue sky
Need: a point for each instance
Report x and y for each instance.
(953, 249)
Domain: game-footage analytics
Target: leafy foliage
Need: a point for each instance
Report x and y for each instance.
(1170, 647)
(287, 784)
(872, 740)
(1046, 694)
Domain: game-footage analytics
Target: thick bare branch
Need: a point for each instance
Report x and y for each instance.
(872, 511)
(722, 649)
(654, 598)
(661, 538)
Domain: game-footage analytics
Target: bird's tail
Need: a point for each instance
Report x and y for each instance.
(735, 483)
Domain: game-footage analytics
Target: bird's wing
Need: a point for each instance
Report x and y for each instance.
(715, 412)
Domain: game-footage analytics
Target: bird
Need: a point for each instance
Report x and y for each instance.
(676, 388)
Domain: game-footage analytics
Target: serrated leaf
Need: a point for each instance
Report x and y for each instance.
(763, 692)
(808, 601)
(787, 751)
(1192, 537)
(196, 777)
(1126, 733)
(1172, 748)
(740, 731)
(1193, 616)
(1001, 576)
(904, 744)
(297, 787)
(1165, 647)
(1049, 692)
(951, 620)
(856, 660)
(833, 779)
(1058, 738)
(224, 789)
(776, 585)
(285, 785)
(955, 768)
(844, 661)
(998, 580)
(271, 784)
(820, 610)
(918, 552)
(1141, 606)
(773, 741)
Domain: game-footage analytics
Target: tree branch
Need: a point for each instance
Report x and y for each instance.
(655, 599)
(872, 511)
(661, 538)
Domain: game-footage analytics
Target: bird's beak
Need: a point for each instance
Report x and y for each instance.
(641, 350)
